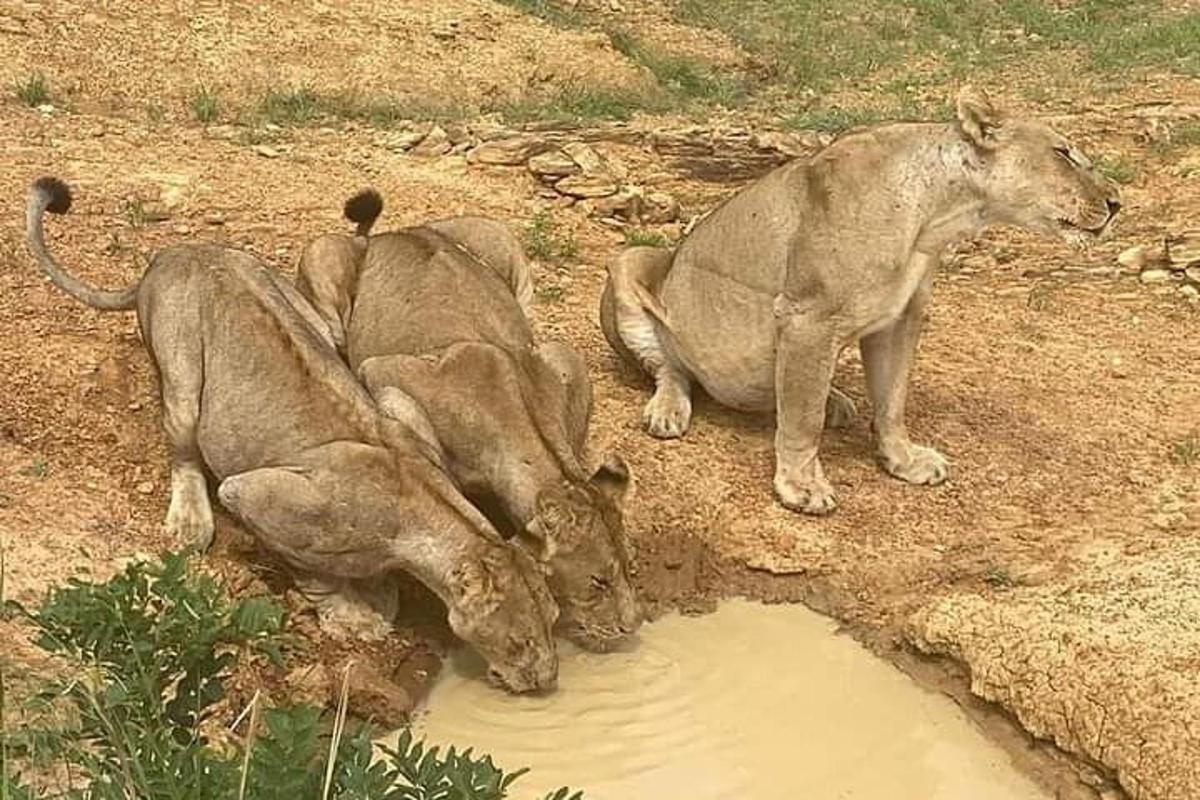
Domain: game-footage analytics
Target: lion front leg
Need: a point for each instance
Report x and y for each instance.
(887, 361)
(806, 351)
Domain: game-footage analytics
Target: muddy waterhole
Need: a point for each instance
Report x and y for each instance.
(752, 701)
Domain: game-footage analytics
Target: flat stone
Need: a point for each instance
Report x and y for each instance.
(587, 186)
(553, 164)
(1133, 257)
(1192, 274)
(403, 141)
(434, 143)
(626, 204)
(266, 151)
(506, 152)
(660, 207)
(1155, 276)
(586, 157)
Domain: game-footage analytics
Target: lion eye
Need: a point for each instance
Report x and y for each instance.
(1065, 153)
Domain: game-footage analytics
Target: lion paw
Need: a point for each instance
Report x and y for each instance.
(667, 415)
(915, 464)
(839, 410)
(815, 496)
(190, 521)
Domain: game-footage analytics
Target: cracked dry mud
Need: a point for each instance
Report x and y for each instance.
(1059, 564)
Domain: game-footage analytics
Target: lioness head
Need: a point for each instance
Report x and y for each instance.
(1035, 178)
(583, 536)
(352, 511)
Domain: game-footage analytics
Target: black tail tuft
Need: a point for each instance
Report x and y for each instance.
(364, 208)
(58, 194)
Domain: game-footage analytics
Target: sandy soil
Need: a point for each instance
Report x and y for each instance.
(1058, 568)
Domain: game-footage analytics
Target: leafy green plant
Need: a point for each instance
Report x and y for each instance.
(545, 242)
(34, 90)
(145, 658)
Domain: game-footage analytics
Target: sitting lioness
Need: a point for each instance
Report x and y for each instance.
(345, 495)
(435, 311)
(757, 302)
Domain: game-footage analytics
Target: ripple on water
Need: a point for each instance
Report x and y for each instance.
(749, 702)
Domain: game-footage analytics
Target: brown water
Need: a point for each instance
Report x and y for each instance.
(752, 702)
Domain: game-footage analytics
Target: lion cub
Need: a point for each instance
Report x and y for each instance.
(436, 312)
(344, 495)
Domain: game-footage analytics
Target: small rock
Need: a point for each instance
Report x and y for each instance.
(787, 143)
(1189, 291)
(487, 131)
(587, 158)
(215, 218)
(660, 207)
(1192, 274)
(1183, 250)
(183, 230)
(404, 140)
(506, 152)
(145, 487)
(625, 205)
(374, 696)
(45, 108)
(458, 133)
(552, 165)
(266, 151)
(1155, 276)
(587, 186)
(435, 143)
(136, 405)
(1134, 258)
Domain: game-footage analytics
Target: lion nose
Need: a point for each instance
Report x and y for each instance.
(1113, 207)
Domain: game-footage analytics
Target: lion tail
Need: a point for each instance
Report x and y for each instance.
(51, 194)
(363, 209)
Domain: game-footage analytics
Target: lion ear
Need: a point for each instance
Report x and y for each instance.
(978, 117)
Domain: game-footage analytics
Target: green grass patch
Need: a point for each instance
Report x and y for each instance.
(305, 106)
(549, 11)
(546, 241)
(684, 78)
(34, 90)
(811, 45)
(579, 104)
(1186, 452)
(639, 237)
(1117, 169)
(38, 468)
(206, 106)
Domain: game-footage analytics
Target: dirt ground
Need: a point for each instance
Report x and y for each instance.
(1057, 574)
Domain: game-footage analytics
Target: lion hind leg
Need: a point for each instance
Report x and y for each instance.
(632, 320)
(178, 351)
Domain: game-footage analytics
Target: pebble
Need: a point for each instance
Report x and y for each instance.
(146, 487)
(266, 151)
(1154, 276)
